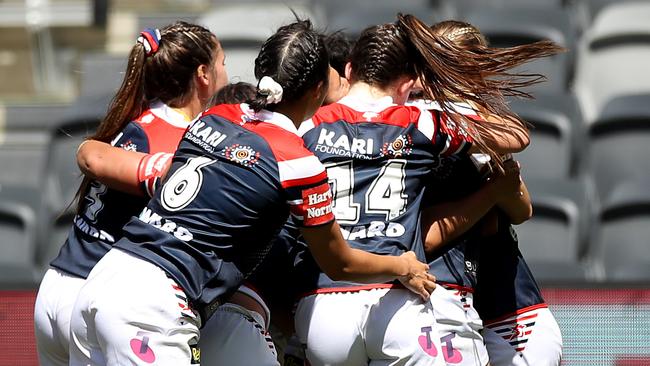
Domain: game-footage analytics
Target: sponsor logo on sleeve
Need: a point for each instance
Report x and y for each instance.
(317, 205)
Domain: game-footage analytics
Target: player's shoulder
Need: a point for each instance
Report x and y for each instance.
(280, 134)
(352, 111)
(232, 112)
(132, 137)
(162, 125)
(335, 112)
(276, 129)
(404, 115)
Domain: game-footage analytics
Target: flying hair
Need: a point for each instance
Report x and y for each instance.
(480, 74)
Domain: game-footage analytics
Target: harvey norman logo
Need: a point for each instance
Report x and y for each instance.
(343, 145)
(316, 198)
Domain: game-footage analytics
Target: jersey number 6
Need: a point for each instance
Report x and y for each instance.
(183, 186)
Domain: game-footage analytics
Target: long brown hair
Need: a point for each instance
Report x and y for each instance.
(448, 72)
(165, 75)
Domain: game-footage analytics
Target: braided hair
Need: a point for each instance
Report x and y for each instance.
(296, 58)
(381, 56)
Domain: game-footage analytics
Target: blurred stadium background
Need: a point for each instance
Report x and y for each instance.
(588, 166)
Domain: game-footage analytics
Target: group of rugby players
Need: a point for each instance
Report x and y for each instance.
(362, 193)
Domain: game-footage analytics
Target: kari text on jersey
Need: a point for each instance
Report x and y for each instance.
(205, 136)
(331, 143)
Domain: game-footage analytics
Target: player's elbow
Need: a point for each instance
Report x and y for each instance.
(339, 273)
(524, 215)
(433, 241)
(88, 160)
(517, 143)
(524, 140)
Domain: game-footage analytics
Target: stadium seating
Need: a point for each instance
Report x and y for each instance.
(554, 240)
(23, 140)
(621, 244)
(242, 44)
(513, 26)
(355, 16)
(556, 135)
(619, 143)
(151, 20)
(61, 176)
(100, 74)
(592, 8)
(464, 6)
(18, 222)
(614, 56)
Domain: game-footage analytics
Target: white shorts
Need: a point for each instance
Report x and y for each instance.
(530, 338)
(369, 327)
(130, 313)
(237, 336)
(459, 327)
(52, 311)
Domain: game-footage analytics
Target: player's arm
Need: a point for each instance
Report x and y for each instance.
(310, 202)
(444, 222)
(126, 171)
(343, 263)
(516, 205)
(113, 166)
(504, 135)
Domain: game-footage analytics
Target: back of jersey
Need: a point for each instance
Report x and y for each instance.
(234, 180)
(378, 157)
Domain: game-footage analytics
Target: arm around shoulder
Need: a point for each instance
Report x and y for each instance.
(113, 166)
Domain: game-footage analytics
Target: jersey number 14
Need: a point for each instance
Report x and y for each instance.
(384, 196)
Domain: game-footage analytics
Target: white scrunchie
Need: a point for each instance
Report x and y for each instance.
(269, 87)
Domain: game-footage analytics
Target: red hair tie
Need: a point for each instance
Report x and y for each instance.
(150, 39)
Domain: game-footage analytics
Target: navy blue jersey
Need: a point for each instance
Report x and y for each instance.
(506, 285)
(234, 180)
(455, 264)
(378, 156)
(492, 267)
(104, 210)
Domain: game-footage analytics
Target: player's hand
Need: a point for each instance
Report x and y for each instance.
(418, 279)
(506, 184)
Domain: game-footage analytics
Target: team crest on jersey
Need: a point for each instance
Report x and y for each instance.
(403, 145)
(129, 146)
(241, 154)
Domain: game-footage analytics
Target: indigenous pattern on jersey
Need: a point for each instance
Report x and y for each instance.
(378, 156)
(105, 210)
(235, 178)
